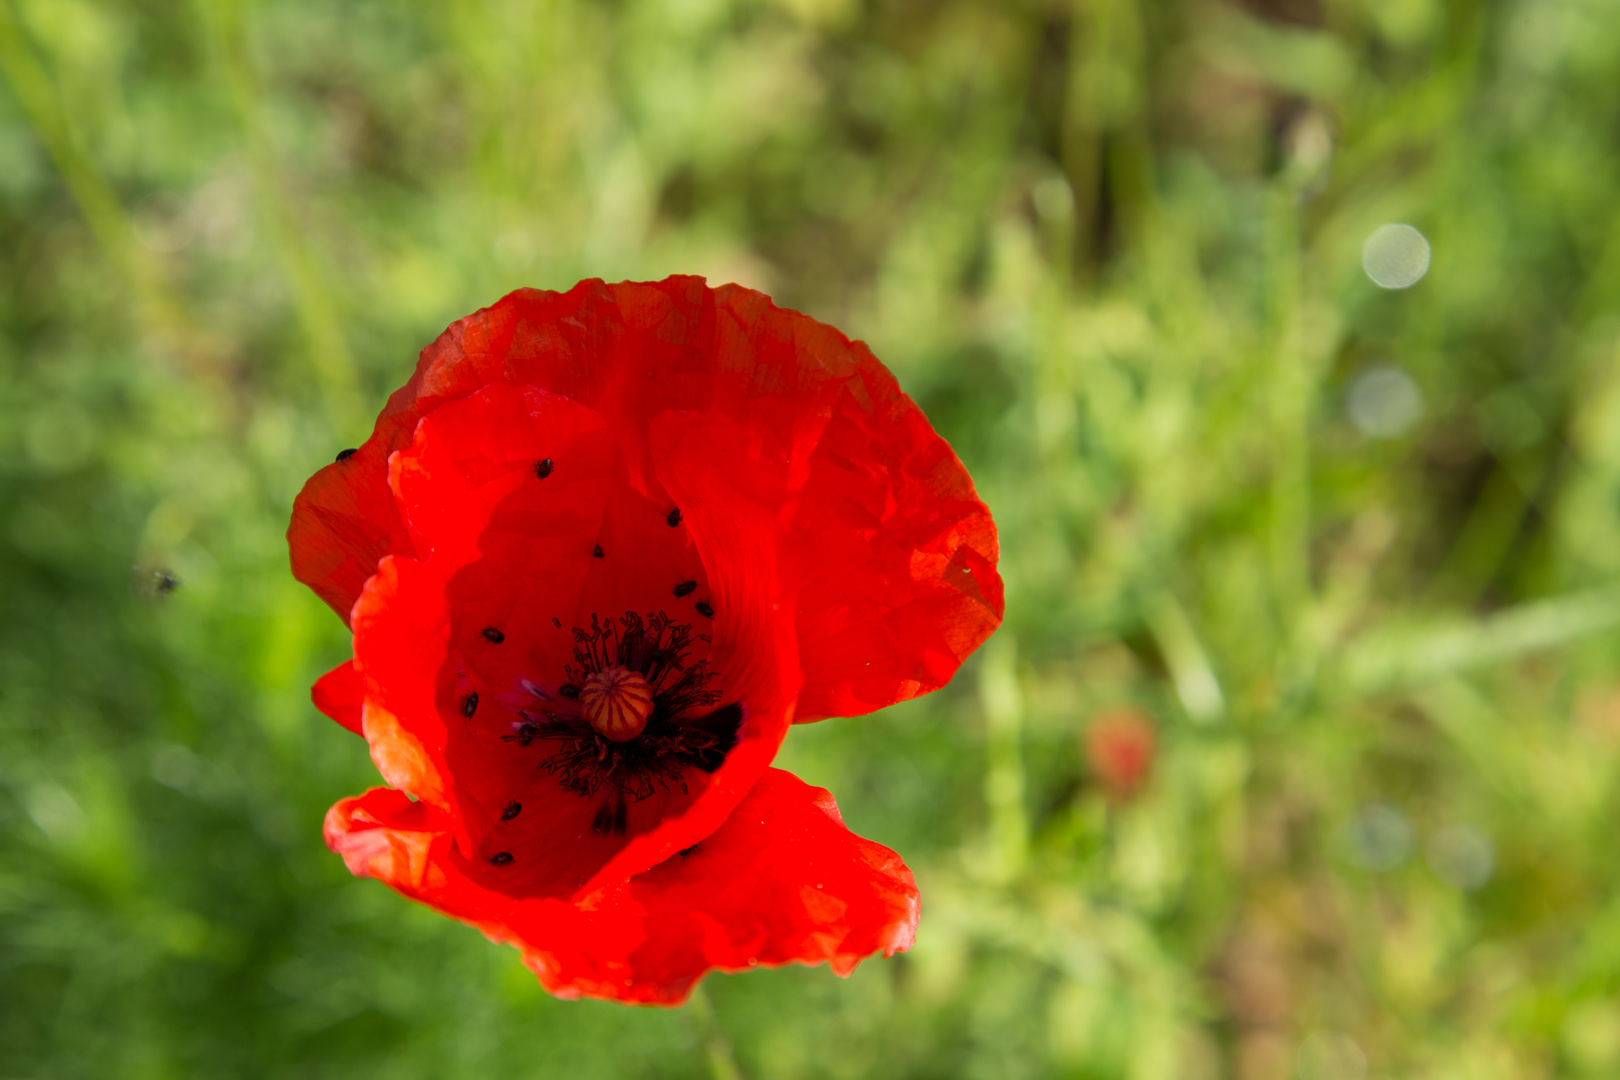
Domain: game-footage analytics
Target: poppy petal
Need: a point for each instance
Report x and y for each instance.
(889, 514)
(344, 521)
(887, 555)
(887, 552)
(782, 881)
(340, 694)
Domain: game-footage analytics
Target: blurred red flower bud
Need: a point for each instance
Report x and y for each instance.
(1119, 747)
(598, 554)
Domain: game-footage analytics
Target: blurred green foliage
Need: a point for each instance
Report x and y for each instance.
(1355, 551)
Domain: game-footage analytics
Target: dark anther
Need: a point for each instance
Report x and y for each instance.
(513, 809)
(543, 468)
(723, 724)
(598, 553)
(674, 517)
(685, 851)
(345, 455)
(568, 690)
(612, 816)
(685, 588)
(501, 858)
(556, 622)
(704, 609)
(493, 636)
(469, 704)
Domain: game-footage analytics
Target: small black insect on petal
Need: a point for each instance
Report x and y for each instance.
(345, 455)
(542, 468)
(685, 851)
(513, 809)
(469, 704)
(685, 588)
(674, 517)
(568, 690)
(598, 553)
(526, 734)
(493, 636)
(704, 609)
(501, 858)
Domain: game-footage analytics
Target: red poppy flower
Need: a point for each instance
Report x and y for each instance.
(1120, 747)
(597, 555)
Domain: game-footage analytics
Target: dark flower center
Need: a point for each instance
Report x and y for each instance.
(644, 715)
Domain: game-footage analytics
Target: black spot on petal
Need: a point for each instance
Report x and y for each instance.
(685, 588)
(685, 851)
(598, 553)
(493, 636)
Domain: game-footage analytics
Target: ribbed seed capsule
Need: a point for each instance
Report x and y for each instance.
(617, 702)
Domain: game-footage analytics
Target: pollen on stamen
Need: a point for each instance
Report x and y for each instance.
(493, 636)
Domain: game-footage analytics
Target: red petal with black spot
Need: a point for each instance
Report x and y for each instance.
(782, 881)
(599, 554)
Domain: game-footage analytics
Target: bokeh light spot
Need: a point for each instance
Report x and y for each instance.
(1378, 838)
(1395, 256)
(1462, 856)
(1384, 402)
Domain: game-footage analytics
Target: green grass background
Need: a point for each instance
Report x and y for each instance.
(1114, 248)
